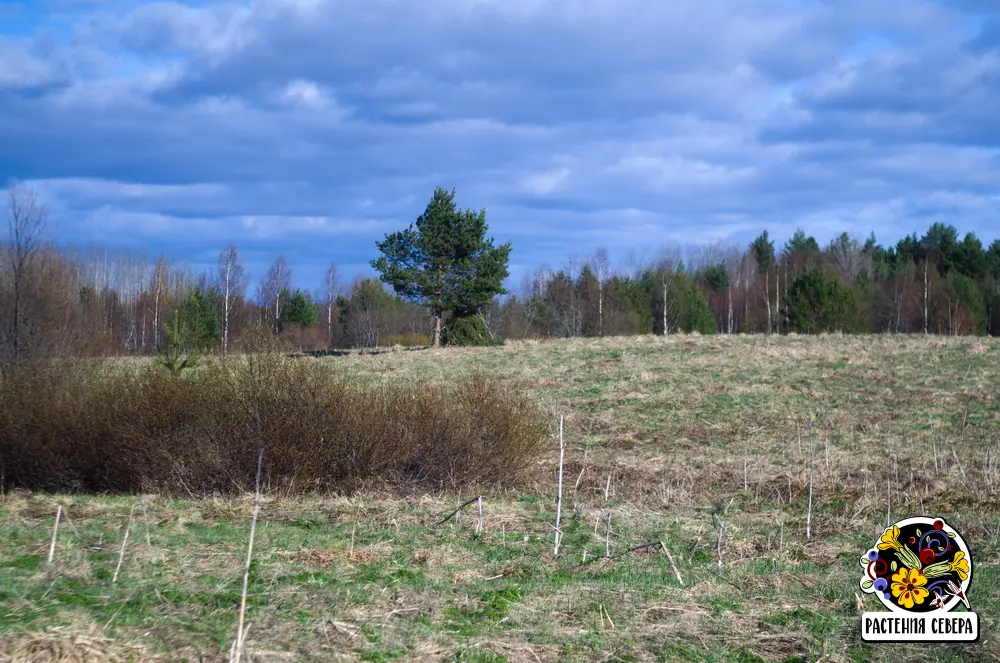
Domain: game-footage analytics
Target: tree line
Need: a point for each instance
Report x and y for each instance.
(445, 283)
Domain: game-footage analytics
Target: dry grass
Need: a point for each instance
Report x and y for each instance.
(678, 424)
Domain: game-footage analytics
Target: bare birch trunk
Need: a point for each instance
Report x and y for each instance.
(225, 310)
(666, 327)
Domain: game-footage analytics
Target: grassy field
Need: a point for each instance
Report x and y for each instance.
(675, 438)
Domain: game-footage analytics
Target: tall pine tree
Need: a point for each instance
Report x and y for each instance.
(446, 261)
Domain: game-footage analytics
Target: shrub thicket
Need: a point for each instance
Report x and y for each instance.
(83, 426)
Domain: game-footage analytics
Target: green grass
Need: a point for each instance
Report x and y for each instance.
(675, 425)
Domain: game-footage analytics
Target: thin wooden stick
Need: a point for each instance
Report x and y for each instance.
(608, 615)
(641, 546)
(121, 555)
(607, 488)
(145, 518)
(607, 537)
(69, 521)
(718, 542)
(562, 454)
(452, 514)
(809, 510)
(694, 549)
(479, 528)
(957, 462)
(576, 486)
(670, 558)
(246, 569)
(55, 533)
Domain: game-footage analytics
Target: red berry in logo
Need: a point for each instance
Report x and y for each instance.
(926, 556)
(939, 524)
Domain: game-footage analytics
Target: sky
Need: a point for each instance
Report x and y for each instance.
(312, 128)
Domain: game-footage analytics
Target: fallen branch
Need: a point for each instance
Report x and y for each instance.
(452, 514)
(651, 544)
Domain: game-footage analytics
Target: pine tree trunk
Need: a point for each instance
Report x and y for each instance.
(437, 330)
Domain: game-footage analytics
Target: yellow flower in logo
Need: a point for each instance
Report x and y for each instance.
(960, 565)
(890, 539)
(908, 587)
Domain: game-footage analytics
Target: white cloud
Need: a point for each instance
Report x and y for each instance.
(305, 94)
(542, 184)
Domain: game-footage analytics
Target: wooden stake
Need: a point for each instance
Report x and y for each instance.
(55, 533)
(809, 510)
(562, 453)
(607, 488)
(479, 528)
(670, 559)
(145, 518)
(246, 570)
(694, 549)
(607, 536)
(957, 462)
(121, 555)
(576, 486)
(718, 543)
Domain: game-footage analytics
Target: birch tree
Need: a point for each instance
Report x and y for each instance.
(330, 291)
(273, 286)
(26, 218)
(599, 266)
(232, 281)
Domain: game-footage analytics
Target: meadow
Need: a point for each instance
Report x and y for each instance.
(701, 445)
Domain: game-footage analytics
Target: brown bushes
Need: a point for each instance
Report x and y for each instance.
(88, 426)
